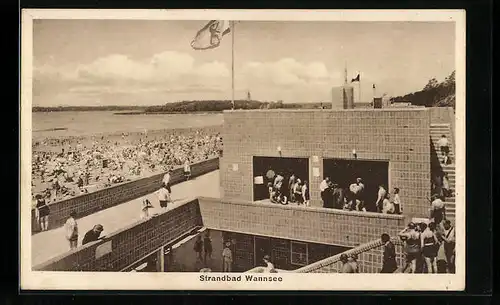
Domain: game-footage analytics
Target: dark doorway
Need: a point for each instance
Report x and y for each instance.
(374, 173)
(262, 248)
(279, 165)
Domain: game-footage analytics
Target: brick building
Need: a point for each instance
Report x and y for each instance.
(393, 142)
(391, 146)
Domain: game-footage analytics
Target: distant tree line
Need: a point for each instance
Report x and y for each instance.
(434, 94)
(191, 106)
(88, 108)
(220, 105)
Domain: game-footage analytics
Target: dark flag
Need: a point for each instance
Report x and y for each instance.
(356, 79)
(373, 86)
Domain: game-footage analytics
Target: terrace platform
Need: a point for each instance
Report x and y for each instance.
(49, 244)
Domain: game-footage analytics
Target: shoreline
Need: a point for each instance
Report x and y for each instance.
(133, 134)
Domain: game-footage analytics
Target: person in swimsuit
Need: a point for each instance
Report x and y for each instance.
(411, 237)
(429, 244)
(42, 212)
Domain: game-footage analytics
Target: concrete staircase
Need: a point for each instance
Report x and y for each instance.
(436, 131)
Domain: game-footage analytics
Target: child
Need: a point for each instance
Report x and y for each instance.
(146, 205)
(227, 256)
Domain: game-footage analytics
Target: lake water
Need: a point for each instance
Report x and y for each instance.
(82, 123)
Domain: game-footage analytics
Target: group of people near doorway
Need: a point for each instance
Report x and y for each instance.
(295, 191)
(352, 199)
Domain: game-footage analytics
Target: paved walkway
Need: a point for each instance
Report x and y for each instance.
(49, 244)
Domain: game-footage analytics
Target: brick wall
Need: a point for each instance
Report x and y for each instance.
(131, 243)
(244, 249)
(369, 259)
(316, 225)
(441, 115)
(91, 203)
(400, 136)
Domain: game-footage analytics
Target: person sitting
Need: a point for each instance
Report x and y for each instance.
(388, 206)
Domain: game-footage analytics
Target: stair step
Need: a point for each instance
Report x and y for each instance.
(440, 124)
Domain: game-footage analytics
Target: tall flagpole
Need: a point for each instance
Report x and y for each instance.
(232, 64)
(359, 87)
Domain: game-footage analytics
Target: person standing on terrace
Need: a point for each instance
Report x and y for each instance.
(356, 192)
(305, 193)
(397, 202)
(323, 188)
(381, 197)
(291, 183)
(297, 191)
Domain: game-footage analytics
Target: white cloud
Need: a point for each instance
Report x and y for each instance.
(288, 72)
(169, 74)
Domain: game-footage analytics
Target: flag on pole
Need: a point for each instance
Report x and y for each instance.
(356, 79)
(373, 86)
(210, 36)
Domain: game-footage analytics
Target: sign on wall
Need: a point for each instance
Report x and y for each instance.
(103, 249)
(258, 180)
(235, 167)
(315, 159)
(316, 172)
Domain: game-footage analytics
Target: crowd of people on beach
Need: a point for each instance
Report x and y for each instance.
(63, 168)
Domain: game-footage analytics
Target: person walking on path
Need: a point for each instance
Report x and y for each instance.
(71, 228)
(163, 196)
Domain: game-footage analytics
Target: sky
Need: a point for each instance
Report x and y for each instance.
(139, 62)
